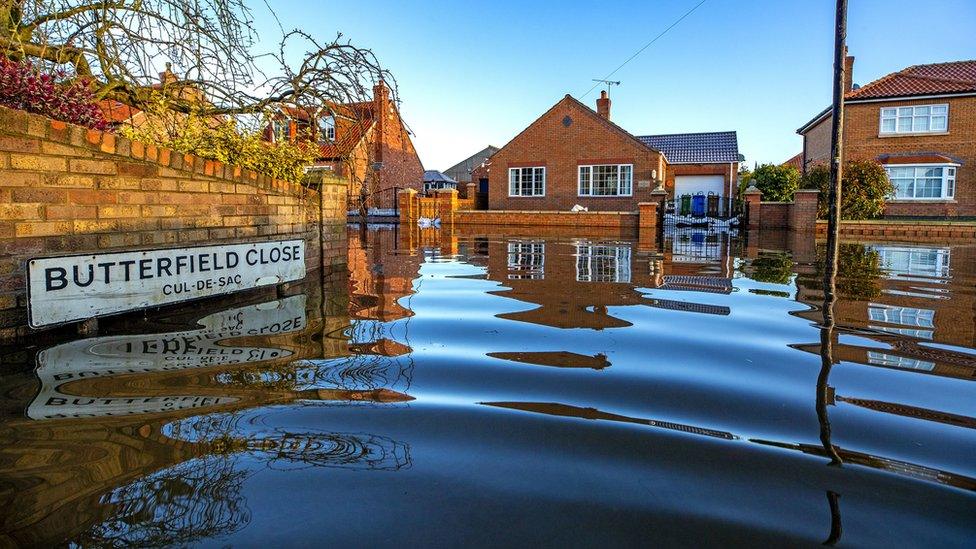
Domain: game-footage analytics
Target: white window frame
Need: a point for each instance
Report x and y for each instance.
(900, 113)
(949, 178)
(911, 261)
(527, 260)
(590, 167)
(280, 130)
(511, 182)
(327, 134)
(903, 316)
(603, 262)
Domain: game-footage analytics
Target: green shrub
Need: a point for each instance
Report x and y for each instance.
(777, 183)
(864, 188)
(221, 139)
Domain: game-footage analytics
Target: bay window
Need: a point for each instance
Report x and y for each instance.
(915, 119)
(527, 181)
(920, 182)
(606, 180)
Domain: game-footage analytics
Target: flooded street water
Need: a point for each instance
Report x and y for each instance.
(480, 388)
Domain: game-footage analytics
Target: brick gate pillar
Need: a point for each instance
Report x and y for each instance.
(753, 199)
(803, 214)
(407, 200)
(446, 204)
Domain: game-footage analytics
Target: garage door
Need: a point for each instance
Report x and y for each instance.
(694, 184)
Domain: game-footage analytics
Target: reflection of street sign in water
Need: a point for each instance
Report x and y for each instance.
(140, 354)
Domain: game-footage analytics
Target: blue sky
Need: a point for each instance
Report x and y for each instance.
(473, 74)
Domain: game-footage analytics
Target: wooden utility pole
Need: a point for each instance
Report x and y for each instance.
(833, 226)
(836, 140)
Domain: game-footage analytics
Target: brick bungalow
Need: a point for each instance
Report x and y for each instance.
(574, 155)
(920, 123)
(359, 141)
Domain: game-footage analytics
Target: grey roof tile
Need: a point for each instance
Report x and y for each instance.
(695, 148)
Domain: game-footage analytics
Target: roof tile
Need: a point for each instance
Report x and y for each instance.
(695, 148)
(937, 78)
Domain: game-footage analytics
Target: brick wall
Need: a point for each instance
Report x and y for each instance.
(65, 189)
(862, 141)
(928, 231)
(566, 136)
(775, 215)
(548, 218)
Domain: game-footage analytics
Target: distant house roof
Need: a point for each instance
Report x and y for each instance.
(361, 114)
(695, 148)
(434, 176)
(462, 170)
(116, 112)
(954, 77)
(796, 161)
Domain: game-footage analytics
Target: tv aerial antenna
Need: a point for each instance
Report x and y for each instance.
(608, 83)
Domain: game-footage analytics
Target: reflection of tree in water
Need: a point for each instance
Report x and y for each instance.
(202, 498)
(859, 271)
(774, 268)
(379, 359)
(229, 434)
(193, 500)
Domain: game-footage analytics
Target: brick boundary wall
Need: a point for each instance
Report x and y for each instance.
(916, 230)
(65, 189)
(445, 205)
(799, 215)
(625, 220)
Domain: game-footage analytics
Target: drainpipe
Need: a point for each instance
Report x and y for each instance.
(728, 198)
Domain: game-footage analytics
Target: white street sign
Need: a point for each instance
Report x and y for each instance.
(79, 287)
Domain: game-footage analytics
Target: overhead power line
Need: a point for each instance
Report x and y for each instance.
(647, 45)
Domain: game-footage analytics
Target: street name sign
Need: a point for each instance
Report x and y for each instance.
(79, 287)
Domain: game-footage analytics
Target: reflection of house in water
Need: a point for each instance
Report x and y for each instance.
(557, 359)
(575, 281)
(917, 302)
(380, 275)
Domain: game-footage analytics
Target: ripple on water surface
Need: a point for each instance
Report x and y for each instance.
(486, 389)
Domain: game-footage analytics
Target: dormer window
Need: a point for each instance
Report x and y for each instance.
(327, 130)
(279, 130)
(915, 119)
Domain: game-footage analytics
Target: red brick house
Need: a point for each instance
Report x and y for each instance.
(574, 155)
(920, 123)
(365, 141)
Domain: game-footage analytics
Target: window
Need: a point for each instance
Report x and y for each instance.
(906, 316)
(917, 119)
(898, 260)
(916, 333)
(923, 181)
(327, 129)
(527, 181)
(895, 361)
(527, 260)
(279, 130)
(606, 180)
(602, 263)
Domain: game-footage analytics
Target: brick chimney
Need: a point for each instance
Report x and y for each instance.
(848, 71)
(603, 105)
(381, 110)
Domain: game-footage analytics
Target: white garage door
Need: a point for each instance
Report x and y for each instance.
(694, 184)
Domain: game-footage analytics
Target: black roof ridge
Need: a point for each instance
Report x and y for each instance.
(685, 133)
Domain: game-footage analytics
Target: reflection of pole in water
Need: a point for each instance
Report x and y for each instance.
(836, 529)
(833, 244)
